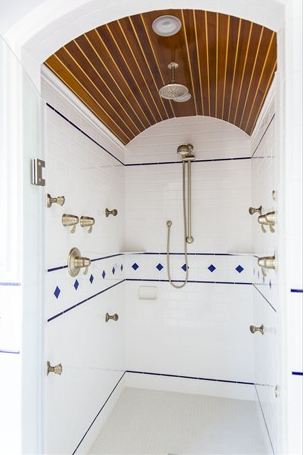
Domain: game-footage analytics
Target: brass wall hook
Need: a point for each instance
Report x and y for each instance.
(113, 212)
(77, 262)
(253, 210)
(87, 222)
(70, 221)
(114, 317)
(60, 200)
(254, 329)
(56, 369)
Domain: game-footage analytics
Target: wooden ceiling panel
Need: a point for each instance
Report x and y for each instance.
(116, 70)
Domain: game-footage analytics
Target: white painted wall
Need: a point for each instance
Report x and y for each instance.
(89, 349)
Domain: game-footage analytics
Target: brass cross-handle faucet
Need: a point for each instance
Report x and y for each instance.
(267, 262)
(77, 262)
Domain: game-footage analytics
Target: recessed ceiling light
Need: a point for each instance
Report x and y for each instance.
(166, 25)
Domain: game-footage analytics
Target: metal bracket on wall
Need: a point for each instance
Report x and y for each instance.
(37, 178)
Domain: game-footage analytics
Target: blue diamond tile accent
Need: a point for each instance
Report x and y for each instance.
(135, 266)
(57, 292)
(159, 266)
(91, 278)
(121, 267)
(184, 267)
(239, 268)
(76, 284)
(113, 270)
(211, 268)
(103, 274)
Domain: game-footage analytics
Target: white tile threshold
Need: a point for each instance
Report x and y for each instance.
(149, 422)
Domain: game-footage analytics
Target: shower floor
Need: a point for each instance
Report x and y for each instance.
(168, 423)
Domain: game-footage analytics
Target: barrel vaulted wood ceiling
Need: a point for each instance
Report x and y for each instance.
(116, 70)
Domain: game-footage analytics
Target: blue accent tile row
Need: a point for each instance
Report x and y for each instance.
(300, 291)
(9, 283)
(156, 163)
(297, 373)
(83, 301)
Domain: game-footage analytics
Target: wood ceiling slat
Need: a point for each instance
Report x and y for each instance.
(234, 35)
(117, 55)
(222, 41)
(117, 69)
(265, 48)
(81, 75)
(88, 69)
(59, 69)
(116, 75)
(92, 55)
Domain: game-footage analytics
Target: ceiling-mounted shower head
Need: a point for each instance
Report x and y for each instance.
(173, 90)
(186, 152)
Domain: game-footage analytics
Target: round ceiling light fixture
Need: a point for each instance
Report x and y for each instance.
(183, 98)
(166, 25)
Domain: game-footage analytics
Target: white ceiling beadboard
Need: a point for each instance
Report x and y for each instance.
(212, 139)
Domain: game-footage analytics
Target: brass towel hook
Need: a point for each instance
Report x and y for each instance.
(60, 200)
(113, 212)
(114, 317)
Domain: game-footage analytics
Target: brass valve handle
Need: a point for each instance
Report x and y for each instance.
(60, 200)
(253, 210)
(254, 329)
(111, 212)
(70, 220)
(56, 369)
(87, 222)
(77, 262)
(267, 262)
(114, 317)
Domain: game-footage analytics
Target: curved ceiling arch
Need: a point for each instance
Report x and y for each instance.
(116, 70)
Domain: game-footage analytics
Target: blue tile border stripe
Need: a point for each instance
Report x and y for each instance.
(297, 373)
(9, 283)
(189, 281)
(299, 291)
(8, 351)
(100, 410)
(261, 293)
(191, 254)
(60, 267)
(138, 164)
(83, 301)
(84, 133)
(198, 378)
(155, 163)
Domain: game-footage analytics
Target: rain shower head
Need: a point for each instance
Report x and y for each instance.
(186, 152)
(174, 91)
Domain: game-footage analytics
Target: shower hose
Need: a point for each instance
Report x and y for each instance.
(187, 226)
